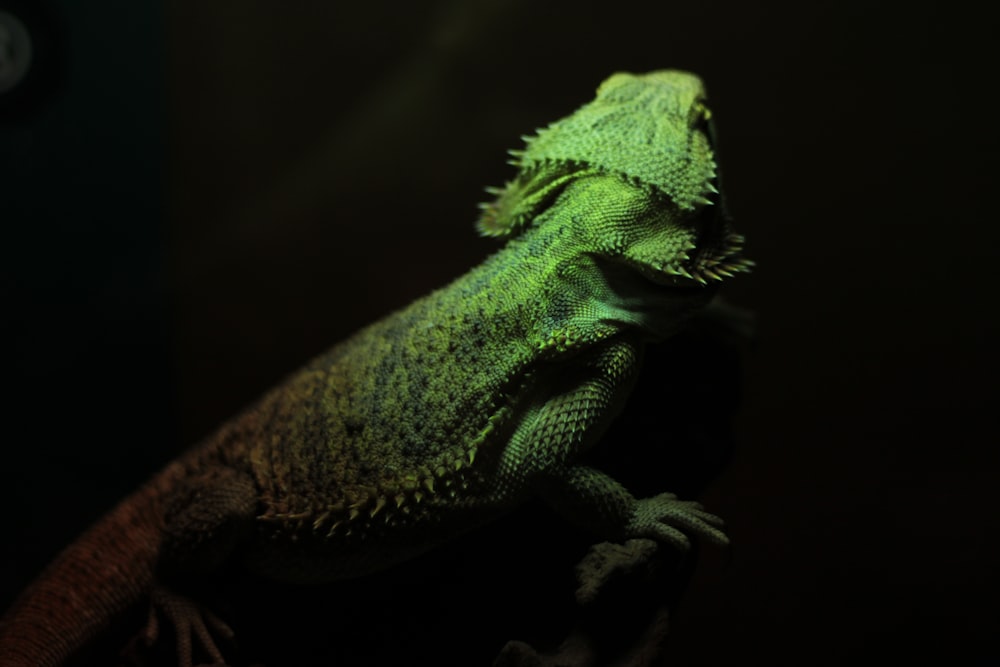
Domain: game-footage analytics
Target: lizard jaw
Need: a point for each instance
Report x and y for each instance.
(694, 270)
(723, 261)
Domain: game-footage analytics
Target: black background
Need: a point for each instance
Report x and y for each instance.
(195, 199)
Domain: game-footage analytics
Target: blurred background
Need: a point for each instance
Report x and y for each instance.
(196, 198)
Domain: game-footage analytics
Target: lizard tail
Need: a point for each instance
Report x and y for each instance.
(109, 568)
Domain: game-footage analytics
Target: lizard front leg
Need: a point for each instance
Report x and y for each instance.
(597, 502)
(548, 443)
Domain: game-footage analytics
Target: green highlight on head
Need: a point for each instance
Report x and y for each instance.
(650, 128)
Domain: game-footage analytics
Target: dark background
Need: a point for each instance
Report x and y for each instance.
(195, 199)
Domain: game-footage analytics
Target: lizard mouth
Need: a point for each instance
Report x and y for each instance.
(714, 250)
(718, 249)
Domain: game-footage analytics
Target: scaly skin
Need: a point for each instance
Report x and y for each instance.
(450, 412)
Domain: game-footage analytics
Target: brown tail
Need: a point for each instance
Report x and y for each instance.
(92, 581)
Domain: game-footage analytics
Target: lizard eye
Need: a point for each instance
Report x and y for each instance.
(705, 124)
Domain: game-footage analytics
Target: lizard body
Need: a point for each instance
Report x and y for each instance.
(450, 412)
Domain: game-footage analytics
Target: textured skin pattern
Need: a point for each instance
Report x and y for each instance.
(633, 129)
(450, 412)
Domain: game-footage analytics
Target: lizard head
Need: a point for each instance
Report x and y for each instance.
(652, 134)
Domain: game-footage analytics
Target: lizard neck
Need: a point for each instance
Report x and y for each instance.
(562, 294)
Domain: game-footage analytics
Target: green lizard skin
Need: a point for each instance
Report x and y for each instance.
(448, 413)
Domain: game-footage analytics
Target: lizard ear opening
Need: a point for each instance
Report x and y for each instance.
(521, 200)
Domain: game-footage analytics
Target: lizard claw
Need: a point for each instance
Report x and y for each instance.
(667, 519)
(190, 620)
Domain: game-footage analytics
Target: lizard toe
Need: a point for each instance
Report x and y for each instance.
(672, 521)
(191, 621)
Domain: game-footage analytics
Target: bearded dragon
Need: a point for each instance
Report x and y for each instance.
(450, 412)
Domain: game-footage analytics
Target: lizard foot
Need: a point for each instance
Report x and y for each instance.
(667, 519)
(190, 620)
